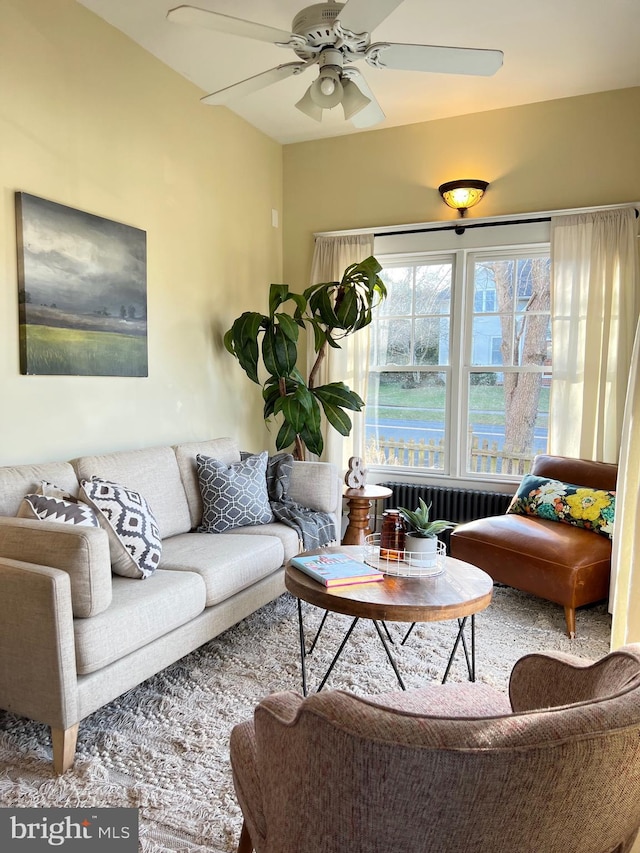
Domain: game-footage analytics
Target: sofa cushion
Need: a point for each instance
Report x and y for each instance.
(153, 472)
(137, 617)
(287, 535)
(134, 539)
(224, 449)
(554, 500)
(227, 562)
(233, 495)
(16, 481)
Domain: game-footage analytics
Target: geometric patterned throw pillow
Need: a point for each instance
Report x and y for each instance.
(134, 539)
(581, 506)
(51, 503)
(233, 495)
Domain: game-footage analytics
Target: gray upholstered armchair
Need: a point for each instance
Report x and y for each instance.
(554, 767)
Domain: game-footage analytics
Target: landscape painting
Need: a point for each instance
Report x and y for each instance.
(82, 283)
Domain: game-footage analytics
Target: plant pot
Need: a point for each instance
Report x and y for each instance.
(421, 550)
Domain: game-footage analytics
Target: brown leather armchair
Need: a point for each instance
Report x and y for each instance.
(552, 768)
(555, 561)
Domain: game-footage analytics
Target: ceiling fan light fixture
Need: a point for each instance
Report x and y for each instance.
(308, 106)
(327, 90)
(463, 194)
(353, 100)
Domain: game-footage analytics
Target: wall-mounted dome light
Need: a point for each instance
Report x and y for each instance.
(463, 194)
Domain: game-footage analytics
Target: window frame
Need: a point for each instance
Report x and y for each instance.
(459, 368)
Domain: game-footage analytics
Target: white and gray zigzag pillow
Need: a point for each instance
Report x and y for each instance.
(134, 538)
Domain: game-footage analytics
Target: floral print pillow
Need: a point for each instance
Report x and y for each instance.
(591, 509)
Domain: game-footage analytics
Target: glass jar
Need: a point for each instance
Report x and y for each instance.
(392, 535)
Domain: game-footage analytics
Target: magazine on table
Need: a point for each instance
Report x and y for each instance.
(336, 569)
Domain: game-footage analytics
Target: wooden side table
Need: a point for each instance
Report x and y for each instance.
(359, 501)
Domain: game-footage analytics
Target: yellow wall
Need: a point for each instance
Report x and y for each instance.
(90, 120)
(568, 153)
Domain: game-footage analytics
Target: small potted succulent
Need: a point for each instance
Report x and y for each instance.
(422, 537)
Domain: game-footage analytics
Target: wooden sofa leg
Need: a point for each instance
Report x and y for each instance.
(245, 844)
(64, 747)
(570, 617)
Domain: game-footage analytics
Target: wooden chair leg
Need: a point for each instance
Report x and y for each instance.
(64, 748)
(570, 618)
(245, 844)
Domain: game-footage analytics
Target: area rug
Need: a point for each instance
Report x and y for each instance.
(163, 747)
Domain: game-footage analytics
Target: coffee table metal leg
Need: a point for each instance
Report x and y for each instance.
(303, 652)
(471, 662)
(318, 632)
(389, 655)
(338, 653)
(386, 630)
(472, 674)
(406, 636)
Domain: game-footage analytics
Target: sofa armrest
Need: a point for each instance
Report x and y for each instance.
(37, 651)
(82, 552)
(316, 485)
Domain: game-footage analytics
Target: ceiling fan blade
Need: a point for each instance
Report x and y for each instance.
(371, 114)
(254, 84)
(363, 16)
(440, 60)
(196, 17)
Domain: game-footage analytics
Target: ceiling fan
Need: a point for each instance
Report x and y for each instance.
(334, 35)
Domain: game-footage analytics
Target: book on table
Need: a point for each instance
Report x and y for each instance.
(336, 569)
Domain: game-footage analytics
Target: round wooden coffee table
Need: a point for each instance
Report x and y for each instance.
(460, 592)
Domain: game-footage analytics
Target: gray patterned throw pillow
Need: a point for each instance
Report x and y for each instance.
(134, 539)
(233, 495)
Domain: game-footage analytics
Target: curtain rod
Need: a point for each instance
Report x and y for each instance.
(460, 228)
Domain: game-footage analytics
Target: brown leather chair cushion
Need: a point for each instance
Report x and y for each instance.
(547, 558)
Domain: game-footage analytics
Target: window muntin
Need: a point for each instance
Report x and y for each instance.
(499, 360)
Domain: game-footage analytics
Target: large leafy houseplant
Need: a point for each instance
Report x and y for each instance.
(330, 311)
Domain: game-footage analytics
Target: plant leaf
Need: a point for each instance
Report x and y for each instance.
(270, 395)
(347, 311)
(286, 436)
(292, 411)
(278, 293)
(242, 341)
(288, 325)
(338, 394)
(279, 352)
(334, 412)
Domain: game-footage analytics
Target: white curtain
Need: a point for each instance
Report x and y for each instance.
(349, 364)
(594, 308)
(625, 570)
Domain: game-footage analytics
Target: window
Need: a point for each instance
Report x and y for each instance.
(460, 362)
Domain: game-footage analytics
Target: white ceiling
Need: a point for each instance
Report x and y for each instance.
(552, 49)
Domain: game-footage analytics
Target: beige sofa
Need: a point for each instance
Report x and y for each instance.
(74, 636)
